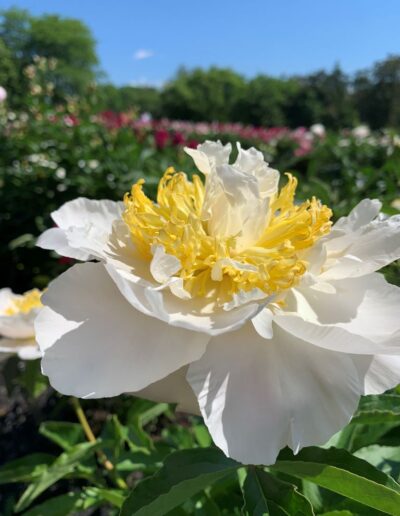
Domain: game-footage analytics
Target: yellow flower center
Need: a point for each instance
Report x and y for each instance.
(212, 267)
(25, 303)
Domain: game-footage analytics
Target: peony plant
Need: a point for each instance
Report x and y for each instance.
(229, 298)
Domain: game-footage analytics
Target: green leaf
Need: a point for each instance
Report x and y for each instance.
(139, 461)
(75, 503)
(66, 463)
(356, 436)
(378, 409)
(184, 474)
(113, 496)
(152, 413)
(25, 469)
(66, 435)
(64, 505)
(385, 458)
(25, 240)
(342, 473)
(202, 435)
(141, 413)
(265, 494)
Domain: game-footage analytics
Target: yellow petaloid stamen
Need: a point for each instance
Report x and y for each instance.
(25, 303)
(274, 264)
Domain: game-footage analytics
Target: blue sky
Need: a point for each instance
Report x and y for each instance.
(145, 41)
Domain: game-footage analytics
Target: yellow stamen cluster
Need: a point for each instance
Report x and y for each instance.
(274, 264)
(25, 303)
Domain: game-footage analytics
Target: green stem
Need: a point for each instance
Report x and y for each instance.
(106, 463)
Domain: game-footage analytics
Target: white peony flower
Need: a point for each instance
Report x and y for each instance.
(3, 94)
(17, 314)
(318, 130)
(229, 299)
(361, 132)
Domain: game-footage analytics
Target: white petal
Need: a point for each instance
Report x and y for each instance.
(258, 395)
(236, 196)
(56, 239)
(368, 249)
(191, 314)
(244, 297)
(360, 317)
(380, 372)
(233, 206)
(18, 326)
(6, 296)
(163, 265)
(29, 353)
(96, 345)
(27, 349)
(172, 389)
(262, 323)
(83, 229)
(362, 214)
(252, 162)
(209, 155)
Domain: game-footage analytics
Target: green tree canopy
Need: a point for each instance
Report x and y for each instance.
(203, 94)
(69, 41)
(264, 102)
(126, 98)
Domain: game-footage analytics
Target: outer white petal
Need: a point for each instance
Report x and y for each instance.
(262, 323)
(29, 353)
(56, 239)
(18, 326)
(360, 316)
(361, 249)
(95, 344)
(209, 154)
(258, 395)
(6, 296)
(362, 214)
(172, 389)
(27, 349)
(83, 228)
(380, 372)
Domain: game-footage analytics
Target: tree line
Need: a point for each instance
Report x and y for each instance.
(333, 98)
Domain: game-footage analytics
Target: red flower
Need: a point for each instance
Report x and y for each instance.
(161, 137)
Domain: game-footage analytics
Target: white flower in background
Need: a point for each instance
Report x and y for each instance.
(360, 132)
(17, 332)
(396, 204)
(230, 299)
(318, 130)
(3, 94)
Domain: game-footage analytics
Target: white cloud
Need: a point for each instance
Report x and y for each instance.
(142, 53)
